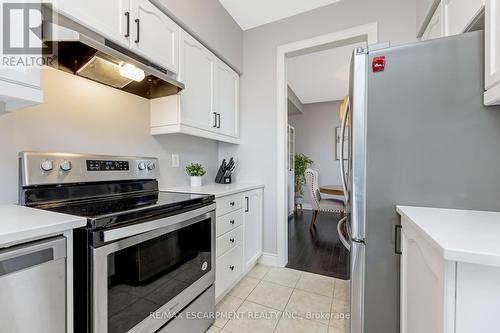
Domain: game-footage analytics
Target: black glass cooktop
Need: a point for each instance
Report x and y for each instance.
(110, 204)
(110, 212)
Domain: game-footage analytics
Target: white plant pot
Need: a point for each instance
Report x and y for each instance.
(195, 181)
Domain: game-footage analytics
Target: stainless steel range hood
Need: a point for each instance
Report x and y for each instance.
(84, 53)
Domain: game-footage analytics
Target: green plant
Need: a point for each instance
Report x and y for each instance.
(302, 162)
(195, 170)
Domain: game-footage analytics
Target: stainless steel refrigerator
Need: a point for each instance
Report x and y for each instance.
(420, 135)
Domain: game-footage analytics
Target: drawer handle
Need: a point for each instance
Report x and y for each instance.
(231, 268)
(232, 240)
(232, 203)
(232, 221)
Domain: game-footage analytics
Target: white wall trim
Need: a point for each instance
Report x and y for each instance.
(368, 32)
(307, 206)
(269, 259)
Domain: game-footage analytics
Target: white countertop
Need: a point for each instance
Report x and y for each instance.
(460, 235)
(219, 190)
(19, 224)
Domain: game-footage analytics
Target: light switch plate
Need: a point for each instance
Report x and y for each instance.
(175, 161)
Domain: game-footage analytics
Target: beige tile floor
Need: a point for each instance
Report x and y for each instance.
(270, 299)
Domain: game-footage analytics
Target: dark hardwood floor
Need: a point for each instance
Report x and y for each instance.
(319, 251)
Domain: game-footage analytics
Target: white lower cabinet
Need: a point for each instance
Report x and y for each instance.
(426, 279)
(443, 296)
(228, 270)
(253, 226)
(239, 237)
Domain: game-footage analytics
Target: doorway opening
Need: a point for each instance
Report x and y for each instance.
(312, 78)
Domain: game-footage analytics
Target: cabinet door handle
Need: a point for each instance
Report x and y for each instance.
(218, 120)
(231, 268)
(138, 22)
(246, 205)
(232, 240)
(127, 15)
(215, 119)
(397, 243)
(232, 221)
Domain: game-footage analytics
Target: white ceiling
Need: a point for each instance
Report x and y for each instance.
(321, 76)
(252, 13)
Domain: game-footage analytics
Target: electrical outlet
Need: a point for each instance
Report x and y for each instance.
(175, 161)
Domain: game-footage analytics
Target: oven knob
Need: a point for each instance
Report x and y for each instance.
(66, 165)
(151, 166)
(47, 165)
(141, 166)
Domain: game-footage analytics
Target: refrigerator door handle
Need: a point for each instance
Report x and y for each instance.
(343, 175)
(343, 240)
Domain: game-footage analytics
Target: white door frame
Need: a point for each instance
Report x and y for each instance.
(368, 33)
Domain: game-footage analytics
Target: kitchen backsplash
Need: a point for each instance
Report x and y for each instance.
(79, 115)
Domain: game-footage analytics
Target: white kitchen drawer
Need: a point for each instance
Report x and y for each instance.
(228, 222)
(229, 204)
(228, 269)
(228, 241)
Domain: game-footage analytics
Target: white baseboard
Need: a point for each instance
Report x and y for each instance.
(307, 206)
(269, 259)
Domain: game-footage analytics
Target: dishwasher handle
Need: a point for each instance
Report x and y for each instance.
(28, 255)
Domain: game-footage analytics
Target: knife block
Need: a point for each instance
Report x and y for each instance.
(225, 180)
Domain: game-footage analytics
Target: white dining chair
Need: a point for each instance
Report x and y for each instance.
(320, 204)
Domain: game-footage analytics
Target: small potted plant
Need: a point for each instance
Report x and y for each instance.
(195, 171)
(302, 162)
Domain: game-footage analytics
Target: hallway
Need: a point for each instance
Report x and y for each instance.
(319, 251)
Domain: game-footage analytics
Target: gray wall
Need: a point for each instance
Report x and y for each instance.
(212, 24)
(257, 153)
(79, 115)
(315, 137)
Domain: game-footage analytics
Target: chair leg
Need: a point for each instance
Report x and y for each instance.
(313, 218)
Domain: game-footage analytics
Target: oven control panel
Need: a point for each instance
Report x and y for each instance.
(104, 165)
(39, 168)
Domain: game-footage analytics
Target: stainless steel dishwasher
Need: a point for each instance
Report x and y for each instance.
(33, 287)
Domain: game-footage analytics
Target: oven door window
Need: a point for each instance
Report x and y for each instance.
(144, 277)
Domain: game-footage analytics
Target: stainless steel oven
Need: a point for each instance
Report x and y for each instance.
(144, 278)
(144, 255)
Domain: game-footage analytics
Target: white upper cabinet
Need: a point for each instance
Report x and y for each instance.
(226, 99)
(19, 83)
(208, 106)
(135, 24)
(461, 14)
(111, 19)
(492, 52)
(154, 35)
(458, 16)
(197, 73)
(447, 17)
(425, 9)
(435, 28)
